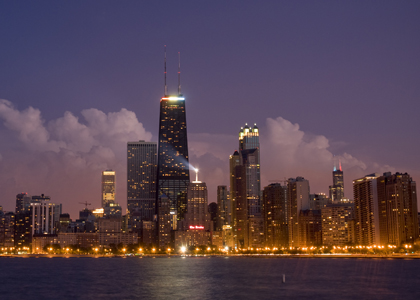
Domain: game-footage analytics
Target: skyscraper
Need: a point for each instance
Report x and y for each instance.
(173, 168)
(249, 146)
(297, 200)
(337, 188)
(223, 207)
(108, 188)
(275, 216)
(366, 210)
(141, 179)
(397, 201)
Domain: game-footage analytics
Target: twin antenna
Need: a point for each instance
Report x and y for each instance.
(179, 73)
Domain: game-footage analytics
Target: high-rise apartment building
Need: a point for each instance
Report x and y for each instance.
(141, 179)
(397, 206)
(297, 200)
(337, 188)
(275, 216)
(366, 210)
(43, 217)
(108, 188)
(234, 161)
(336, 220)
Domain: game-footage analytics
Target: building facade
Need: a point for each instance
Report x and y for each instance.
(141, 179)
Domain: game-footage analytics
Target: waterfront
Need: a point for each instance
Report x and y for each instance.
(208, 278)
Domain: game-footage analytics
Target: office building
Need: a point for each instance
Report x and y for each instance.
(43, 217)
(141, 179)
(108, 188)
(310, 228)
(173, 168)
(337, 188)
(318, 201)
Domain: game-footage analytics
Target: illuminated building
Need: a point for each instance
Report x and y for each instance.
(141, 179)
(23, 203)
(108, 188)
(397, 200)
(249, 146)
(275, 216)
(336, 224)
(223, 207)
(197, 213)
(164, 222)
(23, 219)
(195, 228)
(43, 217)
(366, 210)
(297, 200)
(7, 229)
(337, 188)
(234, 161)
(310, 228)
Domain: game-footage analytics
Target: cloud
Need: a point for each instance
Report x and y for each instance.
(64, 157)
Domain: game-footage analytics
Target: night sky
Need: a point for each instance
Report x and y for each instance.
(80, 79)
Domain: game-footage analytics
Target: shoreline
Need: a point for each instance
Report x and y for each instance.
(325, 256)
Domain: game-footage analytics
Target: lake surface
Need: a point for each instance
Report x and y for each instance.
(208, 278)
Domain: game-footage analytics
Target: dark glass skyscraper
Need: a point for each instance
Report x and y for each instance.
(173, 166)
(141, 179)
(337, 189)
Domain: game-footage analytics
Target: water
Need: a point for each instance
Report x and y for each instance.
(208, 278)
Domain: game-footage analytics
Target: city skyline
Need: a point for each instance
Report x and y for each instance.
(80, 125)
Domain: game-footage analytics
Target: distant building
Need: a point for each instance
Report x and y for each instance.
(275, 216)
(336, 225)
(234, 161)
(23, 203)
(318, 201)
(141, 179)
(337, 188)
(23, 227)
(7, 230)
(108, 188)
(297, 200)
(44, 217)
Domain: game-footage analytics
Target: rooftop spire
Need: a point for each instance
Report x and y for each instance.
(166, 88)
(179, 73)
(339, 163)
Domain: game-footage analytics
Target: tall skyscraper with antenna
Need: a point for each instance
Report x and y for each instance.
(173, 167)
(337, 188)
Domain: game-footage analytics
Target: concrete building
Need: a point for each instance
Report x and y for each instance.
(366, 210)
(336, 225)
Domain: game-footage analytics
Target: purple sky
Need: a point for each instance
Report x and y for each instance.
(320, 78)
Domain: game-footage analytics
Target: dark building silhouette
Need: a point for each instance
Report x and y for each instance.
(275, 216)
(141, 179)
(337, 188)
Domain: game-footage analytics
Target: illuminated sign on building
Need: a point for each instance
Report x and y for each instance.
(196, 227)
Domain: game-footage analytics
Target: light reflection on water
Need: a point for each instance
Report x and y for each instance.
(208, 278)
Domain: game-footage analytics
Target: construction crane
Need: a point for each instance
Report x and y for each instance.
(85, 203)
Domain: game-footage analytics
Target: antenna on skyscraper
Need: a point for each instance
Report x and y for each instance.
(179, 73)
(164, 65)
(339, 163)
